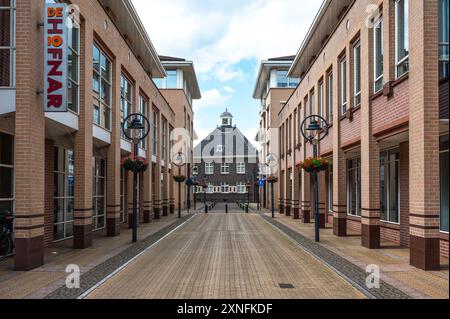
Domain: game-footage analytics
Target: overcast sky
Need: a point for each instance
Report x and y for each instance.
(227, 39)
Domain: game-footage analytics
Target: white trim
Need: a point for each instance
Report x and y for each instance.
(378, 24)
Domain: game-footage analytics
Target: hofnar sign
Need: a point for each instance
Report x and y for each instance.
(55, 58)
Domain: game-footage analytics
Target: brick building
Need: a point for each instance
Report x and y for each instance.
(227, 164)
(378, 72)
(60, 173)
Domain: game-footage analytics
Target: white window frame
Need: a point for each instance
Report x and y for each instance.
(219, 148)
(357, 94)
(224, 188)
(358, 192)
(12, 46)
(378, 24)
(330, 97)
(241, 188)
(209, 168)
(224, 168)
(343, 84)
(240, 168)
(406, 58)
(101, 103)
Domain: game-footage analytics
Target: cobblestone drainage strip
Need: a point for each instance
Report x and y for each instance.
(99, 274)
(352, 273)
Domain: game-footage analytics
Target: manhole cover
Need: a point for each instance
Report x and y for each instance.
(286, 286)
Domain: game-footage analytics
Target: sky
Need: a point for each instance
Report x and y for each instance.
(227, 40)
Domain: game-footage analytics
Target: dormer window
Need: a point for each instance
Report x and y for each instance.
(225, 121)
(219, 148)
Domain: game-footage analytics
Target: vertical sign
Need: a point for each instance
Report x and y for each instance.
(55, 58)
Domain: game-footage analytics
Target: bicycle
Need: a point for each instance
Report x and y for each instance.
(6, 234)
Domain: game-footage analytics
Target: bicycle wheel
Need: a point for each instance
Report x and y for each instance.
(5, 246)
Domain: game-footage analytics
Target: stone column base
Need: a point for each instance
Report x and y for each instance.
(165, 211)
(322, 221)
(147, 218)
(296, 213)
(425, 253)
(281, 209)
(29, 253)
(288, 211)
(172, 209)
(306, 216)
(82, 236)
(370, 236)
(340, 227)
(156, 212)
(112, 227)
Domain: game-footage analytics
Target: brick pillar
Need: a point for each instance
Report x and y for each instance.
(157, 175)
(321, 178)
(29, 143)
(83, 206)
(113, 164)
(404, 194)
(287, 201)
(306, 206)
(172, 192)
(281, 191)
(424, 135)
(339, 166)
(370, 158)
(147, 176)
(296, 199)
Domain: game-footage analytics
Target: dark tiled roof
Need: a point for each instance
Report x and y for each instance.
(171, 58)
(283, 58)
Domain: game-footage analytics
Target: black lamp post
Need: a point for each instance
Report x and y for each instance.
(136, 128)
(316, 131)
(271, 162)
(179, 161)
(204, 193)
(189, 183)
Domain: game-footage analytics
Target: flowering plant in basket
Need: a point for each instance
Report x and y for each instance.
(179, 178)
(135, 164)
(312, 165)
(272, 179)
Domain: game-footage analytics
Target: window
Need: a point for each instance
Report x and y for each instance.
(126, 100)
(7, 43)
(283, 81)
(171, 79)
(164, 139)
(321, 105)
(444, 167)
(225, 168)
(330, 97)
(343, 82)
(99, 193)
(224, 188)
(378, 55)
(389, 186)
(240, 167)
(155, 132)
(73, 68)
(357, 74)
(443, 39)
(63, 198)
(312, 106)
(241, 188)
(209, 168)
(354, 187)
(219, 149)
(123, 203)
(6, 172)
(401, 37)
(143, 109)
(101, 86)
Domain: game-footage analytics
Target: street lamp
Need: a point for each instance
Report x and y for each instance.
(248, 187)
(316, 131)
(135, 127)
(189, 183)
(271, 162)
(179, 161)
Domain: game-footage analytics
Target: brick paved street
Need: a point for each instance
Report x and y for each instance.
(226, 256)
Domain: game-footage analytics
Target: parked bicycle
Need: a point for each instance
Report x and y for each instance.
(6, 233)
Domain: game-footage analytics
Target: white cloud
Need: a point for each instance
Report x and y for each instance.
(211, 99)
(228, 89)
(217, 35)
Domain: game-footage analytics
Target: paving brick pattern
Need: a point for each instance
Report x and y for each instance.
(354, 274)
(98, 273)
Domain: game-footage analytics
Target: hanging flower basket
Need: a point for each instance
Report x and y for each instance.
(179, 178)
(272, 179)
(312, 165)
(135, 164)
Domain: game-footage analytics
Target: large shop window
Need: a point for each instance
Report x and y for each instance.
(99, 193)
(354, 187)
(444, 167)
(7, 42)
(402, 36)
(390, 186)
(443, 39)
(101, 87)
(6, 172)
(126, 101)
(378, 55)
(63, 198)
